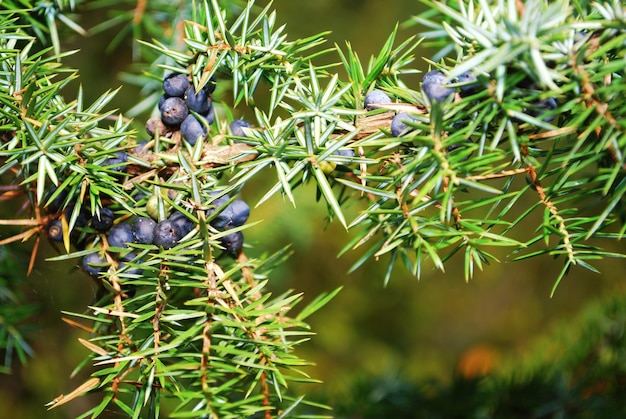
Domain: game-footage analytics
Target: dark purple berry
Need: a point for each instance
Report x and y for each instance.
(198, 101)
(143, 230)
(184, 224)
(129, 270)
(120, 235)
(191, 129)
(117, 163)
(55, 230)
(103, 220)
(58, 202)
(141, 147)
(209, 87)
(540, 107)
(399, 125)
(457, 146)
(209, 117)
(166, 234)
(240, 211)
(375, 98)
(469, 78)
(94, 264)
(175, 84)
(234, 215)
(83, 216)
(434, 86)
(162, 101)
(232, 243)
(174, 111)
(217, 204)
(237, 127)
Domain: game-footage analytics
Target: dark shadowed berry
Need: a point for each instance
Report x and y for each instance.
(434, 86)
(456, 146)
(209, 87)
(232, 243)
(237, 127)
(141, 147)
(222, 219)
(217, 204)
(184, 224)
(94, 264)
(129, 270)
(469, 78)
(209, 117)
(56, 204)
(83, 216)
(175, 84)
(197, 101)
(540, 107)
(174, 111)
(234, 215)
(120, 235)
(55, 230)
(191, 129)
(143, 230)
(166, 234)
(399, 125)
(117, 163)
(103, 220)
(375, 98)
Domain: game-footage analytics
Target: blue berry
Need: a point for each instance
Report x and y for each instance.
(434, 86)
(104, 220)
(166, 234)
(375, 98)
(232, 243)
(237, 126)
(174, 111)
(94, 264)
(210, 86)
(141, 147)
(540, 107)
(344, 152)
(143, 230)
(398, 124)
(175, 84)
(191, 129)
(198, 101)
(55, 230)
(132, 271)
(184, 224)
(58, 202)
(209, 117)
(118, 162)
(470, 78)
(120, 235)
(217, 203)
(234, 215)
(82, 219)
(240, 211)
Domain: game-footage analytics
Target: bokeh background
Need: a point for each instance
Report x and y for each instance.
(426, 330)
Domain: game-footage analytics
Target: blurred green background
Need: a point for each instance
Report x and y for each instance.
(421, 330)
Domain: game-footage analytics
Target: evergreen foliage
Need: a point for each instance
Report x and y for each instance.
(531, 122)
